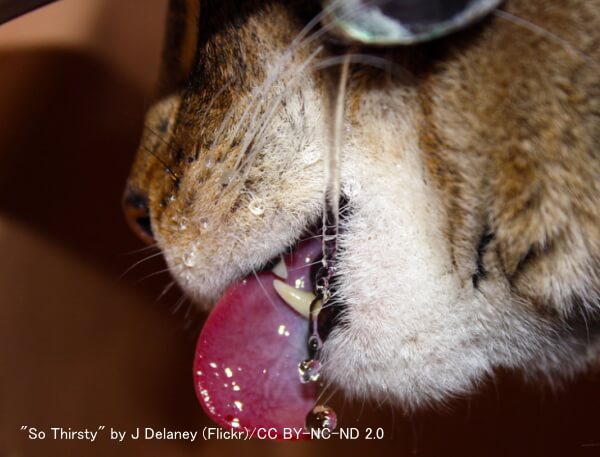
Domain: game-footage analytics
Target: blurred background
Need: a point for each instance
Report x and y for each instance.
(84, 342)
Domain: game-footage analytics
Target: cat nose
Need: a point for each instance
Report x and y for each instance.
(137, 214)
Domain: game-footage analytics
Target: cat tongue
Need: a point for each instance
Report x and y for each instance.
(247, 355)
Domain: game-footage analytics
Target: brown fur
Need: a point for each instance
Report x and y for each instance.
(508, 125)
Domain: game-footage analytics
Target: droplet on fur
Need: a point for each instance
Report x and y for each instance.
(309, 370)
(204, 224)
(181, 224)
(321, 417)
(256, 207)
(189, 259)
(311, 156)
(188, 277)
(227, 177)
(209, 162)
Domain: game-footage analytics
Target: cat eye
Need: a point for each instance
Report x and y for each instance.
(401, 22)
(137, 214)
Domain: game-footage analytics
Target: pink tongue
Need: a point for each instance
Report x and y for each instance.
(247, 355)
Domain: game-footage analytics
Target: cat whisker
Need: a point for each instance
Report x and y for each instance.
(551, 36)
(300, 41)
(179, 303)
(151, 275)
(165, 290)
(266, 294)
(139, 262)
(326, 394)
(156, 134)
(141, 250)
(362, 59)
(166, 166)
(262, 125)
(210, 104)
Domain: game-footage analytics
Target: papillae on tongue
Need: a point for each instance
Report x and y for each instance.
(247, 355)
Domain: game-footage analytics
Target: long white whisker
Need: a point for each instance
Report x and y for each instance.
(299, 42)
(251, 135)
(364, 59)
(205, 115)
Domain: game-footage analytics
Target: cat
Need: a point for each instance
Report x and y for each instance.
(469, 176)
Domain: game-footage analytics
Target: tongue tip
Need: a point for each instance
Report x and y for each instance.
(246, 362)
(285, 421)
(249, 429)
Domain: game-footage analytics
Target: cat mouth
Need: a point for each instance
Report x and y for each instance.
(247, 371)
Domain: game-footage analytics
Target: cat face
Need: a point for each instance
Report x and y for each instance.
(469, 178)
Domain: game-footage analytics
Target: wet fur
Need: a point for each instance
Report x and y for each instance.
(471, 236)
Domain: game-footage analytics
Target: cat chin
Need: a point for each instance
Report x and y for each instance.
(423, 349)
(413, 329)
(410, 330)
(425, 355)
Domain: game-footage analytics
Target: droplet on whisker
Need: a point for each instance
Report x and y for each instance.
(321, 417)
(309, 370)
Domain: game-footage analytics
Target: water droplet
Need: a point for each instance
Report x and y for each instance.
(309, 370)
(209, 162)
(311, 156)
(181, 223)
(227, 177)
(204, 223)
(172, 198)
(314, 343)
(189, 259)
(321, 417)
(187, 277)
(256, 207)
